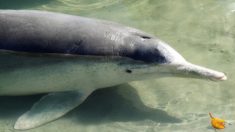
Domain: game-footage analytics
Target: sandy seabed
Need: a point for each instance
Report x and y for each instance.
(202, 31)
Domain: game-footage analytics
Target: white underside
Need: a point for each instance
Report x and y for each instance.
(26, 74)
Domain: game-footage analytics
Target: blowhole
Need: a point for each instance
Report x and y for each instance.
(145, 37)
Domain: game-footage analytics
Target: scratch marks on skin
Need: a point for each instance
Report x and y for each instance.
(75, 46)
(117, 37)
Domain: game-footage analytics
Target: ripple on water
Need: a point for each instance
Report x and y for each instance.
(74, 5)
(88, 4)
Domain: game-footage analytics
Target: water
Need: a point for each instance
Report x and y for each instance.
(202, 31)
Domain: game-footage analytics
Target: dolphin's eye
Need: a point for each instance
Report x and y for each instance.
(128, 71)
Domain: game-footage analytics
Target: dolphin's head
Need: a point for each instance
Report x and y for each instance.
(160, 58)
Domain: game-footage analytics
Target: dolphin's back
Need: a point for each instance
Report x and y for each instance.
(44, 32)
(47, 32)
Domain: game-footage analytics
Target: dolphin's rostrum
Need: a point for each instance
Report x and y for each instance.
(70, 56)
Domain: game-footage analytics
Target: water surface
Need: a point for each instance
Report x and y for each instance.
(202, 31)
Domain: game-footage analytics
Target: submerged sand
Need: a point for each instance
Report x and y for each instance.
(202, 31)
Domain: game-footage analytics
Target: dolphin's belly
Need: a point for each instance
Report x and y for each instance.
(22, 74)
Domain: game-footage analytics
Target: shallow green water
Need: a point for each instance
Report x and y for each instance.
(203, 31)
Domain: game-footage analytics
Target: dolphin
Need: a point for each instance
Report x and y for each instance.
(70, 56)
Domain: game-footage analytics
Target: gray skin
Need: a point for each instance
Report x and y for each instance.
(70, 56)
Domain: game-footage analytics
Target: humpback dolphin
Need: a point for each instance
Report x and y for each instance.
(69, 57)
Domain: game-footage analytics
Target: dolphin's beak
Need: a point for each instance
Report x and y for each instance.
(184, 68)
(199, 71)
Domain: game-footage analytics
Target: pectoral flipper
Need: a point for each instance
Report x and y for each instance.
(50, 107)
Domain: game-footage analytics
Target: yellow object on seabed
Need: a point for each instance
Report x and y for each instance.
(217, 123)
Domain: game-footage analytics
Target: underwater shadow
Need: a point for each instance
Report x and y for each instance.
(20, 4)
(14, 106)
(121, 103)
